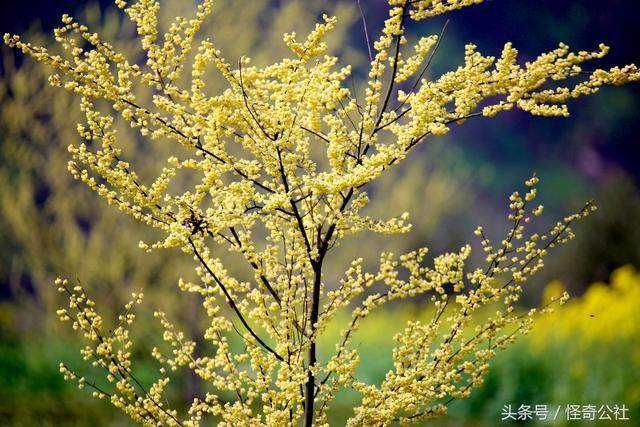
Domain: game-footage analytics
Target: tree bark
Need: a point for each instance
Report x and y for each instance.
(310, 386)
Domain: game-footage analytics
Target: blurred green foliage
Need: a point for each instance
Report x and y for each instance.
(607, 240)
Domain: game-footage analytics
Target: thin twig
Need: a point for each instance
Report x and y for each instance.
(366, 31)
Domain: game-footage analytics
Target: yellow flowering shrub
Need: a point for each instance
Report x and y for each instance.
(596, 341)
(605, 313)
(285, 152)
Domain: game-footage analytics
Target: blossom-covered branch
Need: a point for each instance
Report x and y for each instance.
(277, 167)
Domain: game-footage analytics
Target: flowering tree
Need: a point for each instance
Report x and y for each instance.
(49, 225)
(277, 168)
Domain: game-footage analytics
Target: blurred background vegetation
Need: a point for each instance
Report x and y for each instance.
(589, 352)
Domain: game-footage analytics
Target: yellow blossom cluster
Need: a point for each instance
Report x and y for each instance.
(611, 304)
(286, 151)
(110, 352)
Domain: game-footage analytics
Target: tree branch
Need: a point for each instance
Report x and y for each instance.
(232, 303)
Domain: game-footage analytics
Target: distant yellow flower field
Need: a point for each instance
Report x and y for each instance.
(603, 314)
